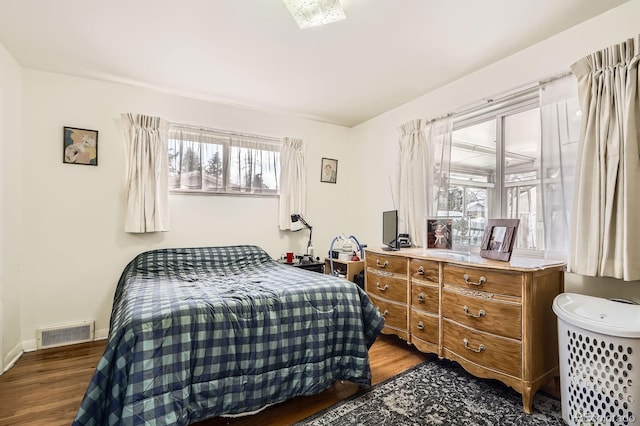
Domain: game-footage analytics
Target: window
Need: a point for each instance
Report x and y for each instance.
(210, 161)
(495, 172)
(472, 181)
(514, 158)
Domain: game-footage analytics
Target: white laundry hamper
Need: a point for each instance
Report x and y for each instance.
(599, 347)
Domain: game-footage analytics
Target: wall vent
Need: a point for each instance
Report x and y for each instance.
(65, 335)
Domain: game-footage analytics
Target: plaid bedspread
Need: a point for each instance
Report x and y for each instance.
(201, 332)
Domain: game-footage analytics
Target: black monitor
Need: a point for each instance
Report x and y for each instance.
(390, 230)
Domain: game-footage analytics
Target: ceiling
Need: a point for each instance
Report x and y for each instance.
(252, 53)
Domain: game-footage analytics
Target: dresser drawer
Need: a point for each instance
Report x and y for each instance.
(425, 297)
(395, 314)
(492, 281)
(387, 287)
(487, 350)
(492, 316)
(424, 270)
(387, 264)
(424, 326)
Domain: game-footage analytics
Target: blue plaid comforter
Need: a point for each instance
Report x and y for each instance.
(201, 332)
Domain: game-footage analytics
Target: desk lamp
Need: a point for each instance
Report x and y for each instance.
(296, 217)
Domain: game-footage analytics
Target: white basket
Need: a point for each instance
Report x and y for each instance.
(599, 345)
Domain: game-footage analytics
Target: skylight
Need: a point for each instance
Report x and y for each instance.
(311, 13)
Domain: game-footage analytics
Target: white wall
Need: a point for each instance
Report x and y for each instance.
(377, 138)
(10, 207)
(73, 214)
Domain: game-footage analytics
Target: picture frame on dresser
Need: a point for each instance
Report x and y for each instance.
(499, 239)
(439, 233)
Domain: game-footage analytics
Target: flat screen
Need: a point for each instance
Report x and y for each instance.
(390, 229)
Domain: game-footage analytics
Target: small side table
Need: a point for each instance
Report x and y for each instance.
(309, 266)
(348, 268)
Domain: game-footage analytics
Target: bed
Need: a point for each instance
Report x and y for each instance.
(203, 332)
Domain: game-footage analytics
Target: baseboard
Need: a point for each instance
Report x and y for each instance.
(12, 357)
(101, 334)
(29, 345)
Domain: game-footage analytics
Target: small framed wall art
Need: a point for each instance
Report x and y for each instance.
(329, 170)
(80, 146)
(499, 238)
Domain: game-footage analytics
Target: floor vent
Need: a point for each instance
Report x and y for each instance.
(65, 335)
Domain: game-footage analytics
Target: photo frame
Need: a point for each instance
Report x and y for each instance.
(439, 233)
(499, 238)
(329, 170)
(80, 146)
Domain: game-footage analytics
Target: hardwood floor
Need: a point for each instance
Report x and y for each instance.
(45, 387)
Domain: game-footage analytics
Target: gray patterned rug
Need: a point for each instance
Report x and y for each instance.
(439, 392)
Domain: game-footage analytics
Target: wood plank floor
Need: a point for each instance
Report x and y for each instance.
(45, 387)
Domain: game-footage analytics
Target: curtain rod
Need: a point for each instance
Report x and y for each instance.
(501, 97)
(226, 132)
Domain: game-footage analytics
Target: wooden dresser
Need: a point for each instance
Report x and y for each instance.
(494, 318)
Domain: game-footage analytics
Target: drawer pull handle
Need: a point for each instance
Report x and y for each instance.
(481, 281)
(481, 348)
(421, 297)
(385, 313)
(382, 265)
(385, 288)
(420, 270)
(420, 325)
(480, 314)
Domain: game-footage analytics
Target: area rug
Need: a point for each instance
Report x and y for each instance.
(439, 392)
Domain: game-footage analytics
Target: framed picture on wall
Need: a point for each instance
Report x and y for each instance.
(329, 170)
(80, 146)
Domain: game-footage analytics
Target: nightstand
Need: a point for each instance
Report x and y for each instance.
(309, 266)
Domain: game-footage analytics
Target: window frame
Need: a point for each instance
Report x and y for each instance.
(525, 101)
(226, 140)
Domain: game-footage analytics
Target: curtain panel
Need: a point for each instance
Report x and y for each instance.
(293, 183)
(147, 173)
(606, 206)
(197, 160)
(412, 182)
(254, 165)
(439, 138)
(425, 152)
(560, 129)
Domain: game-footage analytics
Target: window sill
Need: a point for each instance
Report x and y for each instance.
(232, 194)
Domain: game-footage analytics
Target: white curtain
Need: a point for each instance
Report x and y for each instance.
(209, 160)
(254, 165)
(560, 127)
(423, 174)
(293, 183)
(439, 136)
(147, 173)
(606, 212)
(197, 159)
(413, 186)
